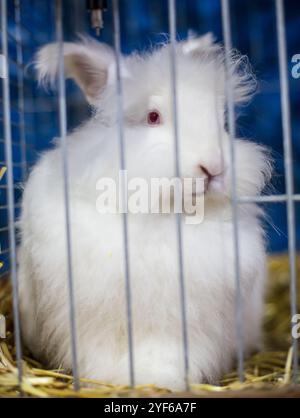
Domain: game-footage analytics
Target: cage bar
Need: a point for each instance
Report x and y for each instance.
(232, 134)
(172, 29)
(20, 77)
(122, 151)
(277, 198)
(10, 193)
(64, 149)
(288, 168)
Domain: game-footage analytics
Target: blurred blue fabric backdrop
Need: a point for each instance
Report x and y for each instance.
(143, 22)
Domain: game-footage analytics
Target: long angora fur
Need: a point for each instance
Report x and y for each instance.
(97, 240)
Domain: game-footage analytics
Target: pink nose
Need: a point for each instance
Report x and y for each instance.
(211, 164)
(210, 173)
(206, 172)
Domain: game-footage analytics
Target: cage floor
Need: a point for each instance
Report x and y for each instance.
(268, 373)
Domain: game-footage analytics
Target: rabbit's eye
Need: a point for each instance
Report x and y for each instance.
(154, 118)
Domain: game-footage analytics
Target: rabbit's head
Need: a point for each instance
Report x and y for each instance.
(204, 144)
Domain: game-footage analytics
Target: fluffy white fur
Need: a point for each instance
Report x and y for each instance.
(97, 249)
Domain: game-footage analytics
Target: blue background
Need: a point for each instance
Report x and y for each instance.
(143, 22)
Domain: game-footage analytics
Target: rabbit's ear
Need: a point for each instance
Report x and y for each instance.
(205, 48)
(87, 62)
(197, 45)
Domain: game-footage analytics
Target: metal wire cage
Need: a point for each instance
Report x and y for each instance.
(22, 107)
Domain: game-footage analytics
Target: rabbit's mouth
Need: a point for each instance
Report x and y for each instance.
(214, 185)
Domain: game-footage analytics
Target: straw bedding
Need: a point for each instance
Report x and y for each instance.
(268, 373)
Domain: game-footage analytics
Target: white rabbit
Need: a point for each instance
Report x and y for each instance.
(97, 243)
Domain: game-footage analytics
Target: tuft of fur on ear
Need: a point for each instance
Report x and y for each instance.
(87, 62)
(199, 44)
(205, 48)
(243, 80)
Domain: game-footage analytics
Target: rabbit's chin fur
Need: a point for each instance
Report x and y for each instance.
(97, 240)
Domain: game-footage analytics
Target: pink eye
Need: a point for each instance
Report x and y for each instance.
(154, 118)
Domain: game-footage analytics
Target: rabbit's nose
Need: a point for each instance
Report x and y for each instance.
(210, 172)
(206, 171)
